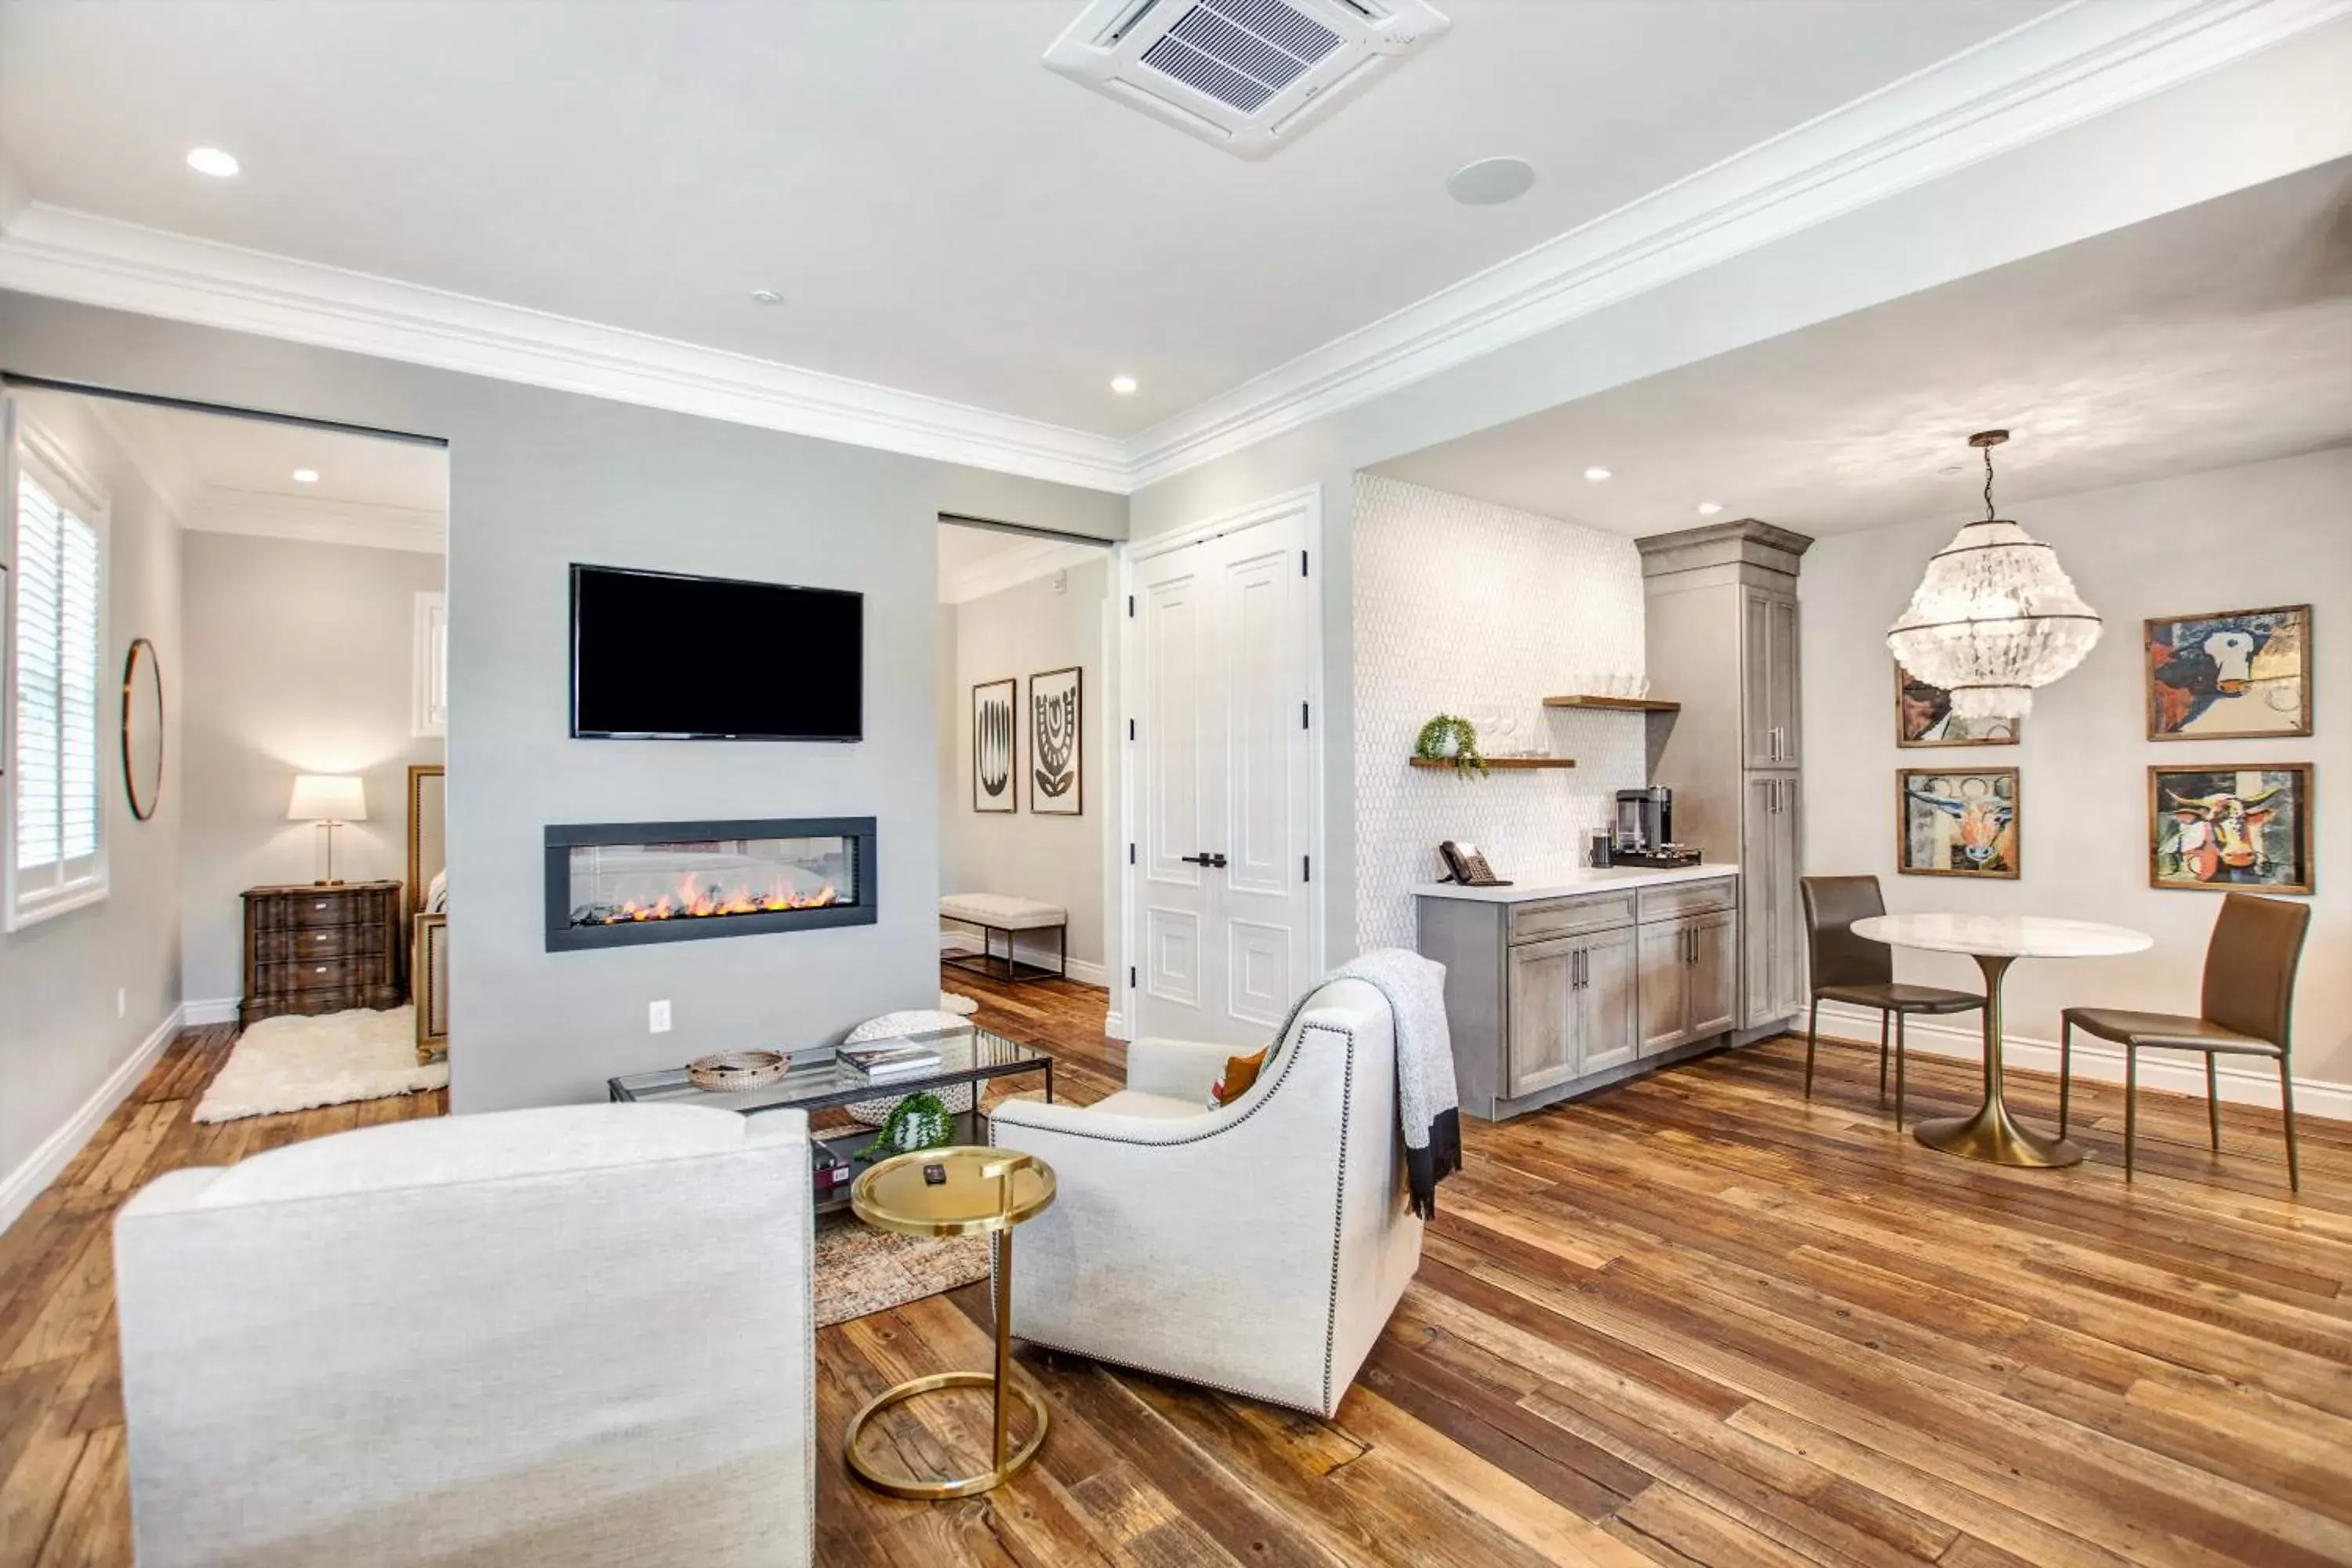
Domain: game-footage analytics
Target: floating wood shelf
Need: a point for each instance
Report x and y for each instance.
(1615, 704)
(1499, 763)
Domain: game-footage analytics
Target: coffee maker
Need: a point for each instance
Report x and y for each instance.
(1645, 830)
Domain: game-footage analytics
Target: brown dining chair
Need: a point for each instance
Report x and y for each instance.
(2249, 997)
(1855, 970)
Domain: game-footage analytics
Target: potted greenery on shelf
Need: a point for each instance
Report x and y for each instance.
(1450, 738)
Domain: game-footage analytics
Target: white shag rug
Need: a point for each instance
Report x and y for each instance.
(293, 1064)
(956, 1002)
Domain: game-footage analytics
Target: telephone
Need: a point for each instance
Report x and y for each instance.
(1464, 864)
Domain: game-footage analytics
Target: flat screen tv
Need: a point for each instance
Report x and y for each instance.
(656, 655)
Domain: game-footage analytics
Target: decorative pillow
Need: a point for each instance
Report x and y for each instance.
(1240, 1073)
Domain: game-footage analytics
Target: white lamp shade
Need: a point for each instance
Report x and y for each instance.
(327, 797)
(1994, 617)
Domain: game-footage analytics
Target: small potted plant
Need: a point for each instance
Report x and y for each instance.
(1450, 738)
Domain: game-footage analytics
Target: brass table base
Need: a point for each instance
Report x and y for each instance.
(1006, 1468)
(1991, 1134)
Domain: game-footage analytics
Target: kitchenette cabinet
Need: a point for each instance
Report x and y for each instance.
(1554, 989)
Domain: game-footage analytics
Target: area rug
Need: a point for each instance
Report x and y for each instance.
(958, 1003)
(294, 1064)
(860, 1269)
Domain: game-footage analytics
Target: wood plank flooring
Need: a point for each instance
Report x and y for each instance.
(1693, 1321)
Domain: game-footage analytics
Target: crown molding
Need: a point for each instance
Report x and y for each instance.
(2073, 64)
(1020, 563)
(264, 515)
(103, 262)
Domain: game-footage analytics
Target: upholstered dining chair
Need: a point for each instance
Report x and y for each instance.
(2248, 998)
(1859, 972)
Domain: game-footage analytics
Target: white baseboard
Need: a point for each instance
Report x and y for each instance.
(1115, 1027)
(219, 1010)
(38, 1169)
(2182, 1072)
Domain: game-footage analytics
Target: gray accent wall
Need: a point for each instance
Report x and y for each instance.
(298, 661)
(540, 480)
(61, 1038)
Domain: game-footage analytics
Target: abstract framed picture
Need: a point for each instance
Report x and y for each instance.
(2229, 674)
(2229, 828)
(1957, 822)
(995, 746)
(1923, 717)
(1056, 737)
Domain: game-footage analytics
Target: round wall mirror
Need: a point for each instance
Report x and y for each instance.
(142, 729)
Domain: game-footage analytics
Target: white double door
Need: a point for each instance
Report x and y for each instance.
(1219, 646)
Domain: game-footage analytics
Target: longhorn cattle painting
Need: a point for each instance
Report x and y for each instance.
(1956, 823)
(1056, 729)
(995, 747)
(2230, 673)
(2231, 828)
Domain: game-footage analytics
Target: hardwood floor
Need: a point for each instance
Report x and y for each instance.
(1692, 1321)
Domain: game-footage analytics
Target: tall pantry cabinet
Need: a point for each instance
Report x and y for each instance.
(1722, 639)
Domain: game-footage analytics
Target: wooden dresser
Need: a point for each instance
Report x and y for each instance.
(311, 949)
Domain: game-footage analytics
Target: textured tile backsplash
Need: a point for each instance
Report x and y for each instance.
(1462, 607)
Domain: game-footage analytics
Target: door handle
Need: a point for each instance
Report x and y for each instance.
(1202, 859)
(1576, 970)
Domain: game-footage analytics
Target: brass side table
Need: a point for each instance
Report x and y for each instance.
(955, 1192)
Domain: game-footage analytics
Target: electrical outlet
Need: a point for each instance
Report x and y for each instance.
(658, 1017)
(121, 1002)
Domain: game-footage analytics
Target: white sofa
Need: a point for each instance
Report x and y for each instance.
(573, 1336)
(1259, 1247)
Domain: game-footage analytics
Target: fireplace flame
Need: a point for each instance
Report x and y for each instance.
(691, 902)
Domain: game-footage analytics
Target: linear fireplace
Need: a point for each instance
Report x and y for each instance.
(613, 884)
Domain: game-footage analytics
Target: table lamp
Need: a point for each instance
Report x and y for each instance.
(329, 800)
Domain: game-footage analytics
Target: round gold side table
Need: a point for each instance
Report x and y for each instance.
(955, 1192)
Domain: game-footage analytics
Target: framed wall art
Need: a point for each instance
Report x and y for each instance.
(1923, 717)
(995, 746)
(2230, 827)
(2229, 674)
(1957, 822)
(1057, 743)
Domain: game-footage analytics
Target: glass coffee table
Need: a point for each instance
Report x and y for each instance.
(818, 1081)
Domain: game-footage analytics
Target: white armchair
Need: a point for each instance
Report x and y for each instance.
(1256, 1248)
(573, 1336)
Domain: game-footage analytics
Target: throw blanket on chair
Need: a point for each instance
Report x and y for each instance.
(1427, 1111)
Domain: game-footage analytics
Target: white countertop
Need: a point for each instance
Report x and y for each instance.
(1583, 880)
(2003, 936)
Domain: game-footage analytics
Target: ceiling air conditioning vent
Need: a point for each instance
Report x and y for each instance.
(1247, 75)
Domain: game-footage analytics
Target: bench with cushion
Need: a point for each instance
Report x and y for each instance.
(994, 913)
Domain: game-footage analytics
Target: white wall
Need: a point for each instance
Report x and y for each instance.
(1462, 608)
(1017, 633)
(2270, 533)
(298, 661)
(65, 1054)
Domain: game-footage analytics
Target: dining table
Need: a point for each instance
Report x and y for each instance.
(1990, 1133)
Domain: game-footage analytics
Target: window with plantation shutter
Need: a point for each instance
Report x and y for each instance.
(57, 827)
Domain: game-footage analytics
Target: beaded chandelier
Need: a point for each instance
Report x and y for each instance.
(1995, 616)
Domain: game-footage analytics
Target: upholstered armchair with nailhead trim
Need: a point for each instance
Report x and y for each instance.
(1256, 1248)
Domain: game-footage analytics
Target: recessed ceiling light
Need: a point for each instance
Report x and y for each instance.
(1491, 182)
(1596, 473)
(306, 476)
(212, 161)
(766, 297)
(1123, 384)
(1709, 508)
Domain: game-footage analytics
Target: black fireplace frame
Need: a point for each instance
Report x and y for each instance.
(562, 936)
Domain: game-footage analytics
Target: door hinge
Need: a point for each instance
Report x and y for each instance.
(1130, 606)
(1130, 977)
(1303, 720)
(1130, 854)
(1130, 729)
(1307, 867)
(1302, 563)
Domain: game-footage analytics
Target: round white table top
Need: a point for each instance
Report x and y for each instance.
(2003, 936)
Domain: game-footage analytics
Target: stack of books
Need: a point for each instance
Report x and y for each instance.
(886, 1059)
(828, 1168)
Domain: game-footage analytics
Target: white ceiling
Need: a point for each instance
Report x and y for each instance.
(975, 561)
(2216, 335)
(941, 214)
(226, 474)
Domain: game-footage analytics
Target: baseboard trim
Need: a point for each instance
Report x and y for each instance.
(2183, 1073)
(1115, 1027)
(38, 1169)
(219, 1010)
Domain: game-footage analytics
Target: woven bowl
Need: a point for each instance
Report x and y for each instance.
(738, 1069)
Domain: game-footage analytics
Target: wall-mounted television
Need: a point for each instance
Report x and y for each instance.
(659, 655)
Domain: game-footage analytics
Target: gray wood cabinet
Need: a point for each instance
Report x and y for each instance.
(1769, 714)
(1547, 997)
(1774, 964)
